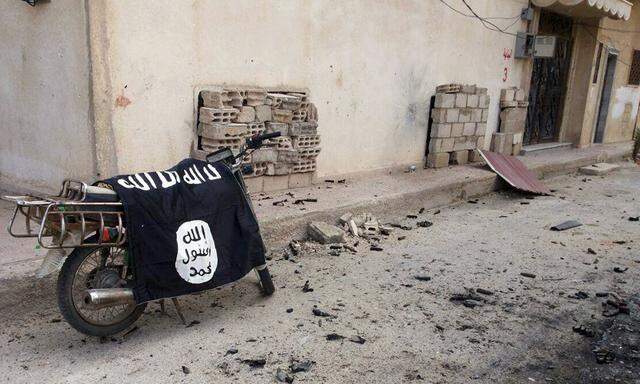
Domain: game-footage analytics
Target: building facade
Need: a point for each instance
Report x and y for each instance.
(94, 88)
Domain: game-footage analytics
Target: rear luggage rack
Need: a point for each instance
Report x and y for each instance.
(68, 213)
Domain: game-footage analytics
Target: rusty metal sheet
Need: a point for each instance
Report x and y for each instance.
(515, 173)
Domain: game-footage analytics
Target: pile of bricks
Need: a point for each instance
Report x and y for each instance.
(227, 116)
(513, 117)
(458, 124)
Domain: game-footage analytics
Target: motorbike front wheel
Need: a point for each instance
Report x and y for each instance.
(93, 268)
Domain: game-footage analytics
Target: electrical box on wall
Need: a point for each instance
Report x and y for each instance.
(524, 45)
(544, 46)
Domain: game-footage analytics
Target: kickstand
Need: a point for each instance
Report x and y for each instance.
(179, 310)
(163, 309)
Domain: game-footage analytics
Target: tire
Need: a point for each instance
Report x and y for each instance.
(265, 282)
(68, 308)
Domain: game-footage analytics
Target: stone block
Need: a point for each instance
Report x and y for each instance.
(218, 131)
(469, 129)
(520, 95)
(508, 144)
(517, 138)
(517, 148)
(457, 129)
(509, 126)
(469, 89)
(215, 98)
(439, 115)
(254, 184)
(481, 91)
(437, 160)
(483, 101)
(275, 183)
(445, 100)
(263, 113)
(461, 100)
(498, 142)
(507, 94)
(480, 142)
(300, 180)
(460, 157)
(246, 115)
(290, 156)
(441, 130)
(476, 115)
(441, 145)
(599, 169)
(485, 116)
(472, 101)
(513, 114)
(465, 115)
(481, 129)
(325, 233)
(452, 115)
(282, 116)
(475, 156)
(460, 144)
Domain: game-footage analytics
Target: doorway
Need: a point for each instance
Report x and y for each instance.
(549, 82)
(605, 98)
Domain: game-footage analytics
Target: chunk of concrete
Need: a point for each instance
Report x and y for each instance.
(599, 169)
(325, 233)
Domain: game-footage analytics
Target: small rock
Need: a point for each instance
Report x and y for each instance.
(527, 274)
(255, 363)
(231, 351)
(186, 370)
(283, 377)
(620, 270)
(320, 313)
(334, 336)
(306, 288)
(325, 233)
(634, 218)
(376, 248)
(301, 366)
(591, 251)
(422, 277)
(483, 291)
(289, 310)
(469, 303)
(584, 331)
(357, 339)
(424, 224)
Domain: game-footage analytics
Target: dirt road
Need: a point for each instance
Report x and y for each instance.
(410, 330)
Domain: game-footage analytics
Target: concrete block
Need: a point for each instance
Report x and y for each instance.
(309, 153)
(508, 104)
(237, 99)
(299, 116)
(303, 128)
(599, 169)
(469, 89)
(472, 101)
(445, 100)
(507, 94)
(513, 114)
(246, 115)
(517, 138)
(255, 128)
(300, 180)
(282, 116)
(520, 95)
(437, 160)
(481, 91)
(460, 157)
(483, 101)
(465, 115)
(254, 184)
(449, 88)
(218, 131)
(460, 144)
(476, 115)
(265, 154)
(279, 169)
(457, 129)
(215, 98)
(305, 165)
(290, 156)
(461, 100)
(441, 145)
(508, 144)
(469, 129)
(441, 130)
(517, 148)
(481, 128)
(306, 141)
(325, 233)
(312, 112)
(255, 96)
(452, 115)
(263, 113)
(439, 115)
(485, 116)
(498, 142)
(215, 115)
(272, 126)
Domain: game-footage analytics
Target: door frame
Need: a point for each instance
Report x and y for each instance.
(607, 51)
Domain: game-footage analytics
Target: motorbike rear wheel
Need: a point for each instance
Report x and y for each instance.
(93, 268)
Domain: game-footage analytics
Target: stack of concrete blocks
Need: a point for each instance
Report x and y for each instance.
(227, 116)
(459, 122)
(513, 117)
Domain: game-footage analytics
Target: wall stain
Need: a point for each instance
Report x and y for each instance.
(122, 101)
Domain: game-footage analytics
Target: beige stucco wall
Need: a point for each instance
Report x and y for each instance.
(44, 95)
(370, 68)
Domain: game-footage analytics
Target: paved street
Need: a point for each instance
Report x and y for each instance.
(519, 330)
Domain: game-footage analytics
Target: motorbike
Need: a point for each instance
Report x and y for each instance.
(86, 225)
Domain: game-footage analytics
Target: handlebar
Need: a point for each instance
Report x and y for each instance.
(256, 141)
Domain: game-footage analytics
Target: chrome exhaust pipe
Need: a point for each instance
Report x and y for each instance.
(108, 297)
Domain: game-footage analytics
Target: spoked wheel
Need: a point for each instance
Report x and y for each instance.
(94, 268)
(265, 281)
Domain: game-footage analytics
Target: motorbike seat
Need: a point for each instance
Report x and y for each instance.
(100, 195)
